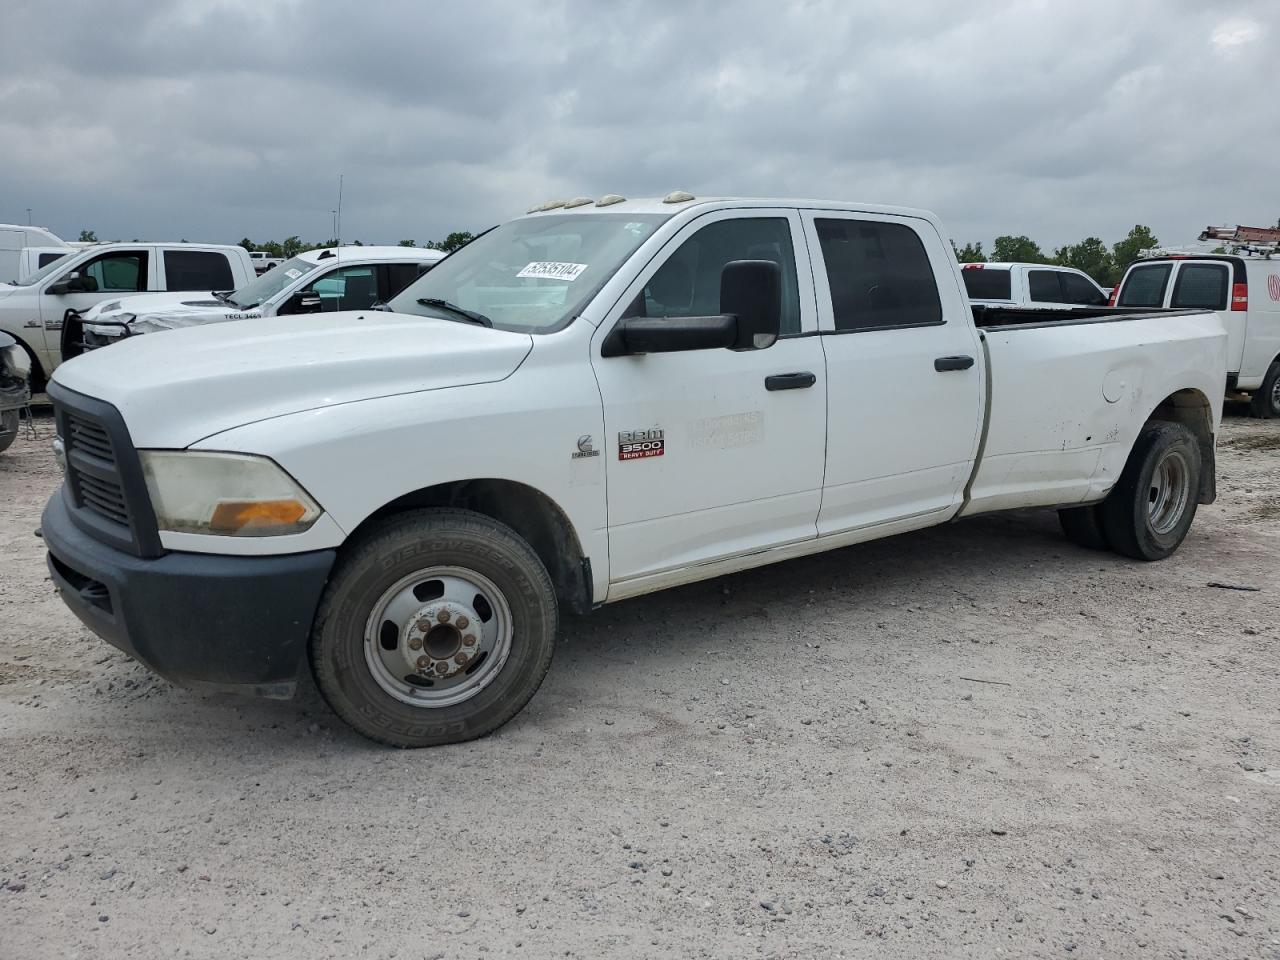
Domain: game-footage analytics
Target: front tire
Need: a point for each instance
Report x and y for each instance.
(1265, 402)
(437, 626)
(8, 428)
(1149, 511)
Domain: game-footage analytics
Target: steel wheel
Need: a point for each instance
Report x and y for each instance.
(438, 636)
(1170, 490)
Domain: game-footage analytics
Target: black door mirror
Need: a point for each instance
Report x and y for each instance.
(75, 284)
(750, 317)
(304, 301)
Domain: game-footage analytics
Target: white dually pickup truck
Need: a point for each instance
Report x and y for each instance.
(591, 402)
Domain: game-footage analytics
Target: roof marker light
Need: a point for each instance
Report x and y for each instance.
(550, 205)
(576, 202)
(677, 196)
(609, 199)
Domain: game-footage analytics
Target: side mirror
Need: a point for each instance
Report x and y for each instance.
(750, 318)
(304, 301)
(75, 284)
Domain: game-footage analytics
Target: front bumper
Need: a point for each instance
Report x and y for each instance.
(205, 621)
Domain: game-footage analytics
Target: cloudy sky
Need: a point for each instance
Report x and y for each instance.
(215, 119)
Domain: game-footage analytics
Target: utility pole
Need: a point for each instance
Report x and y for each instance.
(28, 216)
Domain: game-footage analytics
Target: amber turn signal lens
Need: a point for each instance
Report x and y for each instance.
(233, 516)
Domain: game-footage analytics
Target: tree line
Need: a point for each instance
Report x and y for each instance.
(1105, 264)
(292, 246)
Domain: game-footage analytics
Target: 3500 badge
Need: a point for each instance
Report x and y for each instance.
(639, 444)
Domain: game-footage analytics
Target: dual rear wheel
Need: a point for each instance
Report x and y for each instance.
(1149, 510)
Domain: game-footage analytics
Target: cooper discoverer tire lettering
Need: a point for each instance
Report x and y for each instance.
(437, 626)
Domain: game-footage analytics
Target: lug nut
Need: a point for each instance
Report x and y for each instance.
(443, 616)
(424, 662)
(469, 641)
(415, 644)
(462, 623)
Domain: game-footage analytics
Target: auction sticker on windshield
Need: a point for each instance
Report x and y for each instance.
(548, 270)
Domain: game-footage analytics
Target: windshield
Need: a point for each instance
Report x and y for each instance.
(532, 275)
(257, 291)
(34, 278)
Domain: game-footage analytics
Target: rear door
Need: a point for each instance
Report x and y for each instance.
(904, 370)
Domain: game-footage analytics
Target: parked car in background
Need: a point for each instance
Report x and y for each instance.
(34, 259)
(14, 238)
(1244, 290)
(15, 387)
(318, 281)
(1030, 286)
(401, 502)
(263, 261)
(33, 309)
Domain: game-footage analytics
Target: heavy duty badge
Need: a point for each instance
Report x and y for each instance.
(639, 444)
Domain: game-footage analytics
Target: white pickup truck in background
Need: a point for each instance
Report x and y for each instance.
(34, 308)
(1030, 286)
(585, 404)
(263, 261)
(1243, 289)
(317, 281)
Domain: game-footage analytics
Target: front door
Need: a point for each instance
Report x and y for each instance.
(117, 273)
(706, 456)
(904, 371)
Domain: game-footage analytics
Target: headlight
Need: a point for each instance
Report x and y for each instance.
(16, 359)
(227, 494)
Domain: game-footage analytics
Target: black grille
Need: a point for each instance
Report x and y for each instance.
(105, 488)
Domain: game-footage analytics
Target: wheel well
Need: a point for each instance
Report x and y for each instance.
(529, 512)
(1192, 409)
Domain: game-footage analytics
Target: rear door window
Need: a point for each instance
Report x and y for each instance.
(197, 270)
(879, 275)
(982, 283)
(396, 276)
(350, 288)
(1078, 291)
(1144, 286)
(1202, 286)
(1044, 286)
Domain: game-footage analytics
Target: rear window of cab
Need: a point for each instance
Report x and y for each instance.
(984, 284)
(1145, 285)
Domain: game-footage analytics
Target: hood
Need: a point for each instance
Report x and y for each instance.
(167, 311)
(175, 390)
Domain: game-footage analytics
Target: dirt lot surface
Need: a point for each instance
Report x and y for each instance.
(973, 741)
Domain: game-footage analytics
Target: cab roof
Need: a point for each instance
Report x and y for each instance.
(661, 205)
(349, 253)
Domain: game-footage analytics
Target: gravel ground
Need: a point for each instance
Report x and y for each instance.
(972, 741)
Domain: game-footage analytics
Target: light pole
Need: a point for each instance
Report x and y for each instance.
(28, 216)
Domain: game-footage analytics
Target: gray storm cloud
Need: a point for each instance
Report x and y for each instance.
(215, 120)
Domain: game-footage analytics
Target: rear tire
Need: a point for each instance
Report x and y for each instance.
(8, 428)
(1148, 512)
(1265, 402)
(437, 627)
(1083, 526)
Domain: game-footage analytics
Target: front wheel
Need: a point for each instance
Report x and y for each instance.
(1149, 510)
(438, 626)
(1265, 402)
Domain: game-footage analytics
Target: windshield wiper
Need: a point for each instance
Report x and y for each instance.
(224, 297)
(470, 316)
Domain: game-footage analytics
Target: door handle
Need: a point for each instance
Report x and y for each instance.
(952, 363)
(790, 381)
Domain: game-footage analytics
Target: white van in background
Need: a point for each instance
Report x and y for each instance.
(33, 308)
(14, 238)
(34, 259)
(1030, 286)
(1244, 289)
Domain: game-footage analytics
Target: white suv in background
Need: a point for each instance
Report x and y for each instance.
(1244, 290)
(317, 281)
(34, 308)
(1030, 286)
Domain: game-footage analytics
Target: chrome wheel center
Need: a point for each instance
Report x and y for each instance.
(438, 636)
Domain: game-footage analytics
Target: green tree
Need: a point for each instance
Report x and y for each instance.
(247, 244)
(408, 243)
(452, 242)
(970, 252)
(1090, 255)
(1009, 249)
(291, 247)
(273, 248)
(1128, 250)
(88, 236)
